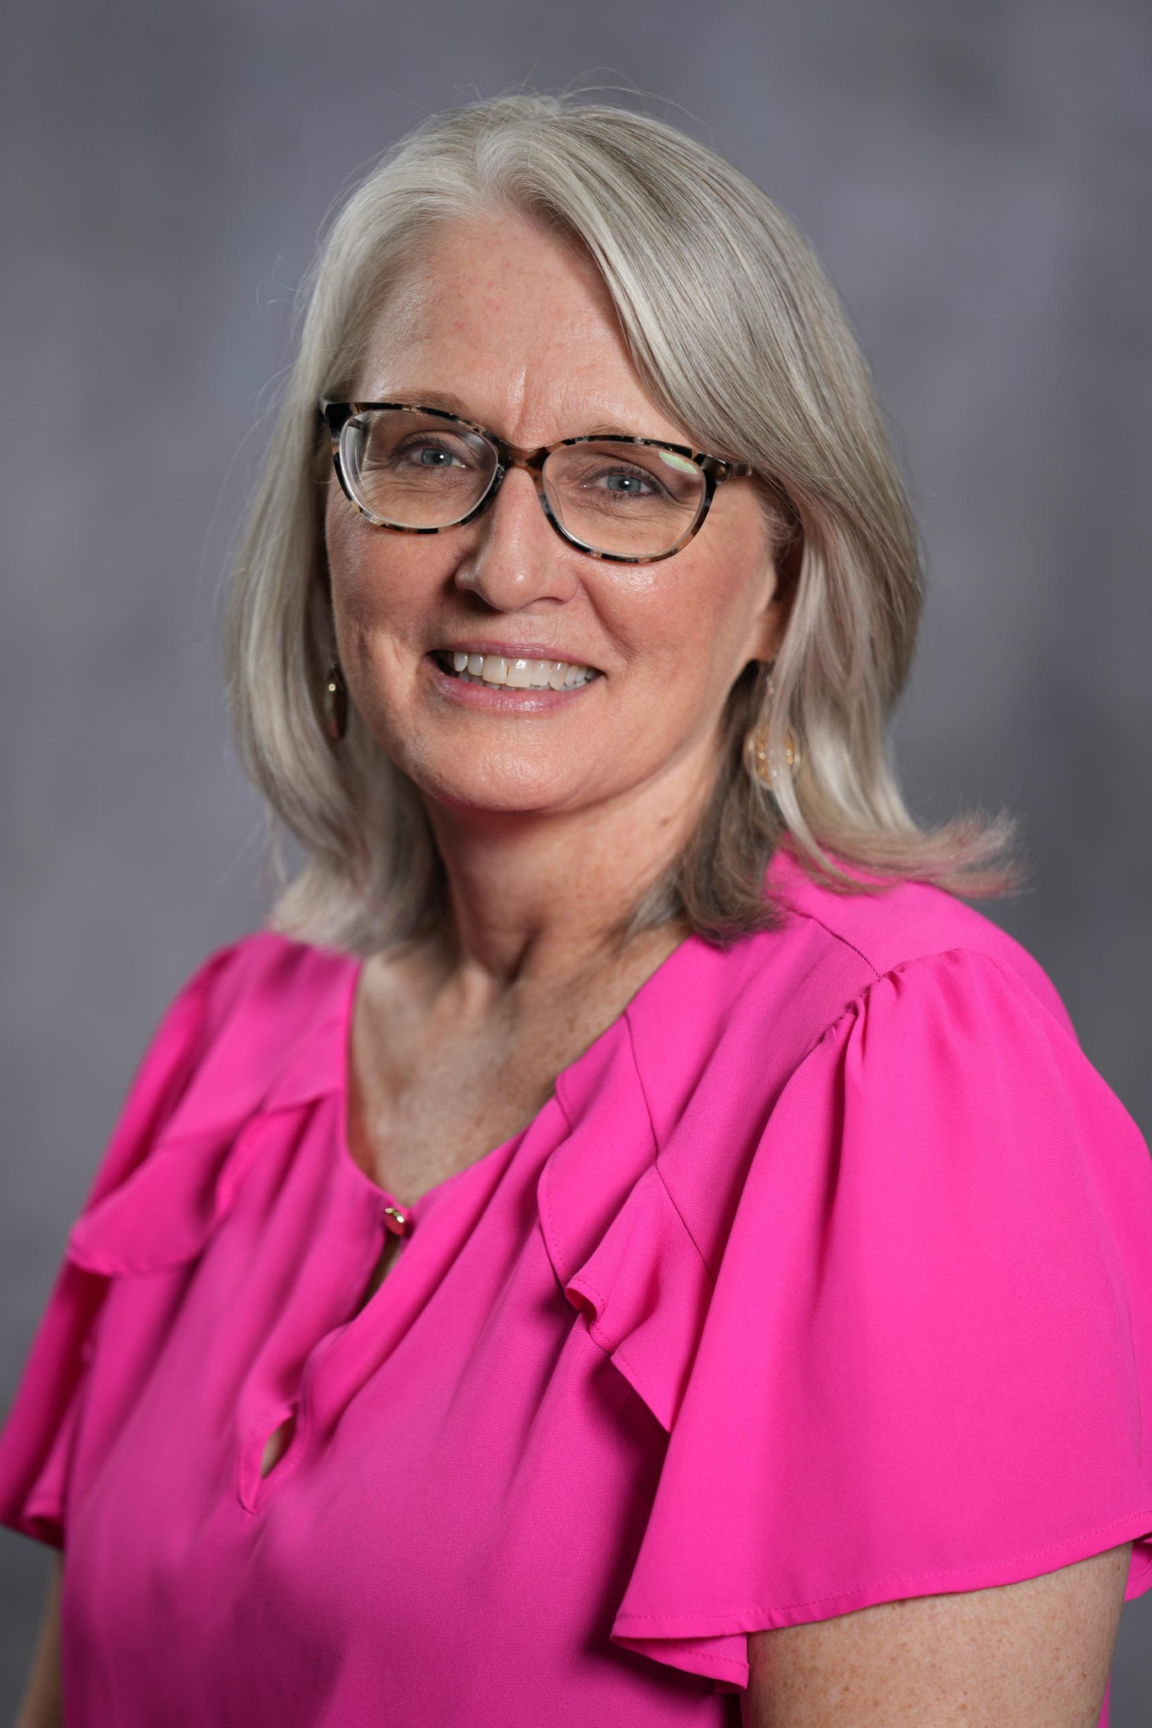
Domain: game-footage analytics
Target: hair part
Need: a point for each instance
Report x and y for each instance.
(740, 338)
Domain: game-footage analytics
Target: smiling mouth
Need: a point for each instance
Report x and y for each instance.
(516, 674)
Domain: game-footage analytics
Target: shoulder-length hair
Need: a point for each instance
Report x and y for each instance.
(740, 338)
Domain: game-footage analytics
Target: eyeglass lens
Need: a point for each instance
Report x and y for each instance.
(411, 470)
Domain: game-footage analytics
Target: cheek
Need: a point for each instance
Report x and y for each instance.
(378, 579)
(352, 562)
(696, 608)
(733, 581)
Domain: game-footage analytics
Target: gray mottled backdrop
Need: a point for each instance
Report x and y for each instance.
(975, 177)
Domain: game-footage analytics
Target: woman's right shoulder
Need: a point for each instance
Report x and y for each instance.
(259, 1017)
(263, 987)
(247, 1003)
(261, 969)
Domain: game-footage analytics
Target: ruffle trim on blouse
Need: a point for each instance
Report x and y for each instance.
(184, 1174)
(645, 1290)
(164, 1213)
(925, 1363)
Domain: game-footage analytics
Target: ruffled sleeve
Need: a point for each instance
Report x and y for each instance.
(39, 1432)
(923, 1363)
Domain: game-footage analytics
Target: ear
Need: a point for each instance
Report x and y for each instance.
(772, 621)
(768, 631)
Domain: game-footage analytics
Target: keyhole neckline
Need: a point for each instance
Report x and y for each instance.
(662, 975)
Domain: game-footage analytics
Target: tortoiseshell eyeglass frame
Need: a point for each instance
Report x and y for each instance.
(508, 456)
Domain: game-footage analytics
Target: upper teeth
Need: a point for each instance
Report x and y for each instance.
(521, 674)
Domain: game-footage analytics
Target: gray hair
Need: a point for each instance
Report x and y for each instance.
(740, 338)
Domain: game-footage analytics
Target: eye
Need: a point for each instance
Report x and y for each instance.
(619, 481)
(632, 485)
(428, 455)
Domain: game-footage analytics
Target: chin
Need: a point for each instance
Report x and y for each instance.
(519, 788)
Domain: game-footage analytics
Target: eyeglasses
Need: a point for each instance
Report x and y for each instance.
(419, 470)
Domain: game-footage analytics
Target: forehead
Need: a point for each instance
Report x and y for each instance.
(512, 320)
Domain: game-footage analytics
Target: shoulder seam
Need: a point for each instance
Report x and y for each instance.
(800, 912)
(856, 1001)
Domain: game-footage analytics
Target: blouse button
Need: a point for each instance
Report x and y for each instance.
(396, 1220)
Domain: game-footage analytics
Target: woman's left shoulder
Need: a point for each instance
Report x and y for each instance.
(863, 938)
(872, 975)
(867, 1031)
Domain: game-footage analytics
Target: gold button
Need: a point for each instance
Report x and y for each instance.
(395, 1220)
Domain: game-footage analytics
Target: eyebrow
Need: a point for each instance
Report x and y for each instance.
(450, 404)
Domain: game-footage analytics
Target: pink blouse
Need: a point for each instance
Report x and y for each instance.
(824, 1279)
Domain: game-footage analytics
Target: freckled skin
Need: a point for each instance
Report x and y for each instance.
(511, 321)
(1034, 1654)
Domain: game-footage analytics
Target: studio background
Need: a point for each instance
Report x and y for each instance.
(976, 180)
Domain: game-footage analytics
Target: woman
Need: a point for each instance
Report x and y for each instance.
(627, 1243)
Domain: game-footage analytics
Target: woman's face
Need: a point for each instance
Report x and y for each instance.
(505, 324)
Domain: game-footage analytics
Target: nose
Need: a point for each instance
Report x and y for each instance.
(516, 557)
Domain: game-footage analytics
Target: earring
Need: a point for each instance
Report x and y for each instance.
(760, 767)
(335, 703)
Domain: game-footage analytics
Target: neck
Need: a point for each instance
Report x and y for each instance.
(535, 898)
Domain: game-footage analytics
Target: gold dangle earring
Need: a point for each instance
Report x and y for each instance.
(761, 768)
(335, 703)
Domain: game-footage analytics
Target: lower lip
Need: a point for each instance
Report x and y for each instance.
(500, 697)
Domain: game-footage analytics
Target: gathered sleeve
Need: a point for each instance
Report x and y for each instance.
(924, 1362)
(39, 1432)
